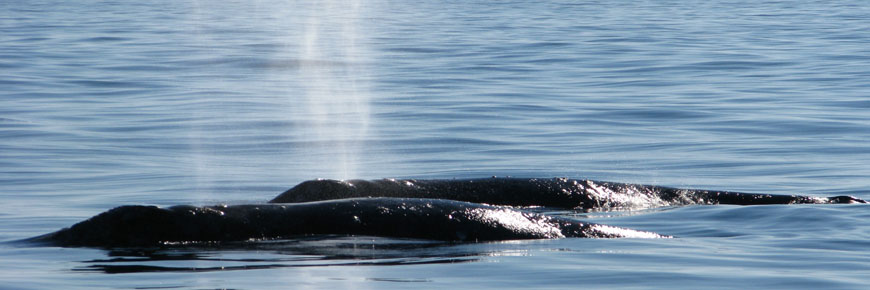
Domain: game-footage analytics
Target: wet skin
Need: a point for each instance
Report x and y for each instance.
(448, 210)
(547, 192)
(434, 219)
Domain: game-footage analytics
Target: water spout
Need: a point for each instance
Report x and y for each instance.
(336, 88)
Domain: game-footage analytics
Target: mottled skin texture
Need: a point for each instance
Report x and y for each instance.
(449, 210)
(434, 219)
(547, 192)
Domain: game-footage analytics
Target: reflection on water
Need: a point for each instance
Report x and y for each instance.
(312, 251)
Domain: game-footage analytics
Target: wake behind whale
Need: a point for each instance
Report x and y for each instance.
(448, 210)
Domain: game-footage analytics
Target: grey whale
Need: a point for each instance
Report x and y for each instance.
(547, 192)
(450, 210)
(434, 219)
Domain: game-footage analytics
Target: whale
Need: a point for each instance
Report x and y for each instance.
(431, 219)
(545, 192)
(453, 210)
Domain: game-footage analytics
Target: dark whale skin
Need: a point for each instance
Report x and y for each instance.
(448, 210)
(433, 219)
(547, 192)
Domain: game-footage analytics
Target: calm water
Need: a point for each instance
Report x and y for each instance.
(104, 103)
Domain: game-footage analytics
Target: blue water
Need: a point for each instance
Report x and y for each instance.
(104, 103)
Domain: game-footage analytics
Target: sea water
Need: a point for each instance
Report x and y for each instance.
(106, 103)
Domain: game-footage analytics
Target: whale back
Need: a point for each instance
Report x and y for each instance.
(497, 191)
(433, 219)
(553, 192)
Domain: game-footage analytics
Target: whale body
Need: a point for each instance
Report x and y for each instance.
(433, 219)
(449, 210)
(546, 192)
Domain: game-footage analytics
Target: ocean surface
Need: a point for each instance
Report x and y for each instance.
(164, 102)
